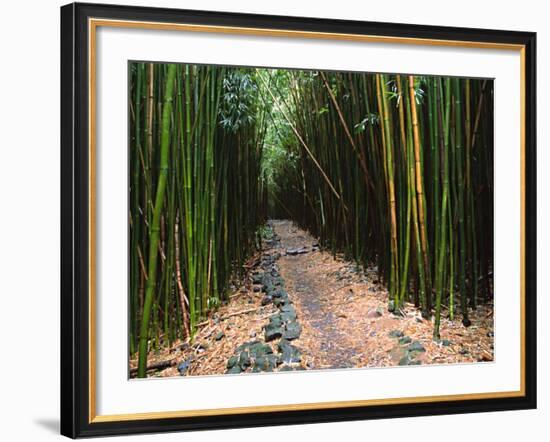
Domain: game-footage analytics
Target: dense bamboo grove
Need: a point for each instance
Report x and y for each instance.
(393, 171)
(196, 195)
(396, 170)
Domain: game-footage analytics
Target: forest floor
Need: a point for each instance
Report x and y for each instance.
(332, 314)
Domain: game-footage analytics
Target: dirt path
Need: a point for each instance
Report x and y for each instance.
(308, 287)
(321, 312)
(345, 321)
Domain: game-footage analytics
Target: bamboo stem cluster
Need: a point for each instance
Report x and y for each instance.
(196, 195)
(393, 171)
(414, 181)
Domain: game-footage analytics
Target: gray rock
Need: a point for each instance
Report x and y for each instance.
(288, 308)
(259, 350)
(257, 278)
(272, 332)
(266, 363)
(290, 353)
(267, 263)
(288, 316)
(244, 360)
(184, 366)
(266, 300)
(246, 345)
(234, 370)
(405, 340)
(416, 346)
(282, 301)
(276, 360)
(293, 331)
(396, 334)
(288, 313)
(232, 361)
(279, 293)
(297, 251)
(404, 360)
(261, 363)
(286, 368)
(275, 320)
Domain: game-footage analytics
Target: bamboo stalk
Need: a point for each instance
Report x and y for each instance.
(155, 226)
(420, 191)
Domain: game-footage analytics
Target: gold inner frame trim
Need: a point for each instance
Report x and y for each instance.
(93, 24)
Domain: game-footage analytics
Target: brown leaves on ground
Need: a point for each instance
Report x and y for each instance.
(240, 320)
(343, 313)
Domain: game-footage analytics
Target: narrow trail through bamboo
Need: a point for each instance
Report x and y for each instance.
(343, 312)
(390, 172)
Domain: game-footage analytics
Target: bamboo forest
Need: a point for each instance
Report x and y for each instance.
(285, 220)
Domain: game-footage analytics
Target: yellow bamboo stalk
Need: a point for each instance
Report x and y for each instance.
(419, 180)
(391, 188)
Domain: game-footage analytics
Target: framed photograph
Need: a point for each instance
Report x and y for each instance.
(274, 220)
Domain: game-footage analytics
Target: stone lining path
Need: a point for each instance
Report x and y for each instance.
(274, 352)
(301, 308)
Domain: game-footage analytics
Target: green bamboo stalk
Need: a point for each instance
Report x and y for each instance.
(155, 226)
(420, 191)
(409, 189)
(462, 245)
(415, 217)
(394, 278)
(444, 209)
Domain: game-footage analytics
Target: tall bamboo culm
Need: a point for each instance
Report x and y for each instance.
(413, 177)
(196, 192)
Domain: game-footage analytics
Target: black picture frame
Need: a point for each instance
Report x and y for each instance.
(75, 220)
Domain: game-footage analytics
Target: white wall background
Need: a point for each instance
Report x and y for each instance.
(29, 219)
